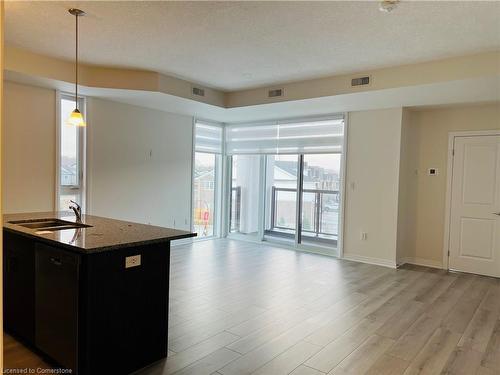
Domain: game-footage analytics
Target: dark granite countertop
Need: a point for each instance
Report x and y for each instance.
(104, 234)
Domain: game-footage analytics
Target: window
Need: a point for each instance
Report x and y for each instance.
(204, 198)
(281, 193)
(321, 198)
(279, 137)
(301, 176)
(207, 178)
(71, 168)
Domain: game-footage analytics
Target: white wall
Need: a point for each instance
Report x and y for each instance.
(125, 182)
(139, 164)
(372, 185)
(28, 148)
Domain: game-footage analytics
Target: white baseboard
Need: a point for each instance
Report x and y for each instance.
(421, 262)
(370, 260)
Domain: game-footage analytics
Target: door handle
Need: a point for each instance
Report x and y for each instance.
(496, 213)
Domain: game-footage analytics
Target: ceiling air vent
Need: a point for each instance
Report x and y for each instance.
(275, 93)
(361, 81)
(199, 92)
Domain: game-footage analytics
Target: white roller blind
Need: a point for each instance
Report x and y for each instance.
(208, 137)
(305, 136)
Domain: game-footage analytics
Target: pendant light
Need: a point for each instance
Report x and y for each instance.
(76, 117)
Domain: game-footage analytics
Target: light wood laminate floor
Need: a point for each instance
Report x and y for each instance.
(244, 308)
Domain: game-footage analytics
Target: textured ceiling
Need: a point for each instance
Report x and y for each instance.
(238, 45)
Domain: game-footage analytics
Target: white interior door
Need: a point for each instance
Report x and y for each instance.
(475, 206)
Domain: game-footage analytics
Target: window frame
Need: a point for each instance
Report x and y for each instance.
(80, 188)
(297, 244)
(218, 181)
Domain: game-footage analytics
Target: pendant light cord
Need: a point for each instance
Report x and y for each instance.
(76, 59)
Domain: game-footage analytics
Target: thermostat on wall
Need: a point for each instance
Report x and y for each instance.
(432, 171)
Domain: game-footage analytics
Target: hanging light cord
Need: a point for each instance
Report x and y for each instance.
(76, 59)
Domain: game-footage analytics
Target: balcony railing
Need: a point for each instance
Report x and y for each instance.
(319, 212)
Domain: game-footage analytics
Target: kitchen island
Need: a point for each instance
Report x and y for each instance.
(90, 296)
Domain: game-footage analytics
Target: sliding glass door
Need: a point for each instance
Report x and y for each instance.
(320, 199)
(281, 195)
(317, 194)
(286, 181)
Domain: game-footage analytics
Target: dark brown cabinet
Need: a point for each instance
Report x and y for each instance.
(19, 286)
(88, 312)
(56, 304)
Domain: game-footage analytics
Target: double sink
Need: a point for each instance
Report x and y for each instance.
(49, 224)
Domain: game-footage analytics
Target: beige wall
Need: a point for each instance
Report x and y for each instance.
(431, 128)
(28, 148)
(407, 191)
(30, 64)
(451, 69)
(23, 63)
(139, 164)
(372, 183)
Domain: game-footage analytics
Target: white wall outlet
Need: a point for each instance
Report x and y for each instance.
(364, 236)
(133, 261)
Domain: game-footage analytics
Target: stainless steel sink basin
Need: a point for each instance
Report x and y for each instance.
(49, 224)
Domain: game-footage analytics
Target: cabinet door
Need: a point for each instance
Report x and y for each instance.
(19, 285)
(127, 309)
(56, 305)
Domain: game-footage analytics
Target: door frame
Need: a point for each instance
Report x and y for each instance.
(449, 184)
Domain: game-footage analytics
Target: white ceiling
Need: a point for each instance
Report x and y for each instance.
(238, 45)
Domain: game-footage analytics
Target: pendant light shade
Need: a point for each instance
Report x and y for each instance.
(76, 117)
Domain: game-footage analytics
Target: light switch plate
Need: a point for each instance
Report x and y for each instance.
(133, 261)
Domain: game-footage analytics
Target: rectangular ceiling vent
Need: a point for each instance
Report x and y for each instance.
(198, 91)
(275, 93)
(360, 81)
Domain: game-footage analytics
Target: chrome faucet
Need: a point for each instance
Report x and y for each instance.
(77, 210)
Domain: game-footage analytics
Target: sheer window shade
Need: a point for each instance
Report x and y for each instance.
(208, 137)
(309, 136)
